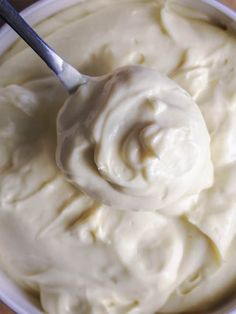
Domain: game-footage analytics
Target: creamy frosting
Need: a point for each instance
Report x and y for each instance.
(134, 140)
(75, 254)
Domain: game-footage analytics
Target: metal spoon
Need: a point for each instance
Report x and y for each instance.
(70, 77)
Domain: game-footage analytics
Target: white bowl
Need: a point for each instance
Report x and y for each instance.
(10, 294)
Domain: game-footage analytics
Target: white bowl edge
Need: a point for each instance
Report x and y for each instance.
(10, 294)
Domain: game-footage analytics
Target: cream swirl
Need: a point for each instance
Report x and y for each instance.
(134, 140)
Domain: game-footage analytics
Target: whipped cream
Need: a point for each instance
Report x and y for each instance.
(77, 255)
(134, 140)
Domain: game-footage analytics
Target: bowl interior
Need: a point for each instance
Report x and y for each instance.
(12, 295)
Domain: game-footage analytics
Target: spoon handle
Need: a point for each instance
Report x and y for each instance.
(68, 75)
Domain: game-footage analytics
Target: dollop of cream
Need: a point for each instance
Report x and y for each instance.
(134, 140)
(76, 255)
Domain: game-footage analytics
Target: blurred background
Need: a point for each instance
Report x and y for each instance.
(20, 5)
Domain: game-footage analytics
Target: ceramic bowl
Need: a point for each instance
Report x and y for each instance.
(10, 294)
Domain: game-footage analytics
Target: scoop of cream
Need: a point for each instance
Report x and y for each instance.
(135, 140)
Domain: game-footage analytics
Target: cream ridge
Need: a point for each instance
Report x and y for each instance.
(134, 140)
(153, 229)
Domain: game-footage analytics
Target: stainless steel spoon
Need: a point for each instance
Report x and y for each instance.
(67, 74)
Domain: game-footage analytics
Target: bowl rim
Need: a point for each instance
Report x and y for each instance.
(221, 7)
(34, 14)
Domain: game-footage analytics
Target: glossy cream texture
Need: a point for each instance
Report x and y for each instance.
(134, 140)
(80, 256)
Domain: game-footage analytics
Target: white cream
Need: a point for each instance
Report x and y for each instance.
(134, 140)
(75, 254)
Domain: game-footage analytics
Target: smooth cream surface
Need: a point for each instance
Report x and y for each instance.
(76, 254)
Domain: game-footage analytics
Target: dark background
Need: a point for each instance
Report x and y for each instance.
(19, 5)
